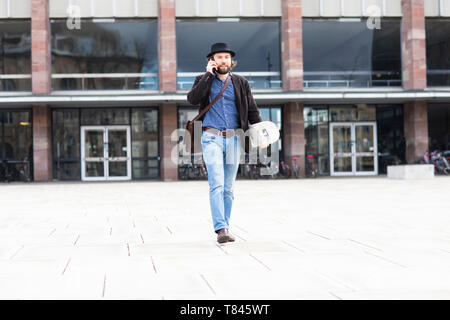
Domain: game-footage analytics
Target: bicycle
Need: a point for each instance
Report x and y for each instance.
(185, 172)
(9, 172)
(284, 170)
(250, 171)
(440, 162)
(192, 172)
(311, 168)
(295, 168)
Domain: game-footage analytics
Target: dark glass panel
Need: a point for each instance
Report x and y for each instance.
(144, 138)
(16, 146)
(145, 169)
(94, 144)
(439, 126)
(342, 139)
(273, 114)
(438, 52)
(365, 164)
(15, 54)
(66, 134)
(17, 135)
(117, 143)
(186, 114)
(256, 43)
(105, 116)
(66, 144)
(118, 168)
(95, 169)
(365, 112)
(390, 137)
(349, 54)
(121, 46)
(66, 170)
(343, 164)
(316, 136)
(360, 112)
(343, 113)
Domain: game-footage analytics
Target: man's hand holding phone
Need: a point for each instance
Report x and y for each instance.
(212, 66)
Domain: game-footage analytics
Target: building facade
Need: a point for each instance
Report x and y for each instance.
(95, 89)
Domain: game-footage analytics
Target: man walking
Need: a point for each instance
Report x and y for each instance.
(220, 143)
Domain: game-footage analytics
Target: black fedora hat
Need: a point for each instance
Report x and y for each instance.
(220, 47)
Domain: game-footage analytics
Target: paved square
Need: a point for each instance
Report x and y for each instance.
(327, 238)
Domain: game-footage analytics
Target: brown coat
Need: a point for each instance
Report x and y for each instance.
(245, 104)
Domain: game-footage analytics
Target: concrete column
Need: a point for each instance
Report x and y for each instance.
(294, 134)
(292, 45)
(40, 82)
(414, 64)
(42, 155)
(167, 50)
(416, 129)
(168, 123)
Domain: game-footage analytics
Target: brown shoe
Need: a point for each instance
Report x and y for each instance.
(223, 236)
(230, 237)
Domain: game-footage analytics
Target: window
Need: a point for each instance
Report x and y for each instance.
(274, 114)
(439, 126)
(187, 167)
(116, 55)
(316, 137)
(391, 139)
(438, 52)
(16, 145)
(144, 139)
(349, 54)
(144, 143)
(15, 51)
(66, 144)
(256, 43)
(113, 116)
(359, 112)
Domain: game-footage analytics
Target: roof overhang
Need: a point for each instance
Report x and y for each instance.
(113, 98)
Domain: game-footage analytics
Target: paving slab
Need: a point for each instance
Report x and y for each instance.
(324, 238)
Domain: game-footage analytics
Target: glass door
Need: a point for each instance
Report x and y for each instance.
(353, 149)
(119, 155)
(93, 153)
(105, 153)
(366, 154)
(341, 147)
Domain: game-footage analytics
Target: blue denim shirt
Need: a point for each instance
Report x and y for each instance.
(223, 114)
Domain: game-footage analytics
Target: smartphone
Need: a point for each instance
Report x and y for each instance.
(214, 69)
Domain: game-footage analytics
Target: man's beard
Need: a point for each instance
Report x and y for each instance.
(223, 70)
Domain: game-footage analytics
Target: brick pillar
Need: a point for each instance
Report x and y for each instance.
(40, 53)
(414, 70)
(42, 157)
(168, 115)
(292, 45)
(414, 64)
(294, 134)
(167, 49)
(40, 82)
(416, 130)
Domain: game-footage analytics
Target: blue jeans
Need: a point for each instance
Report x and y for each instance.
(221, 156)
